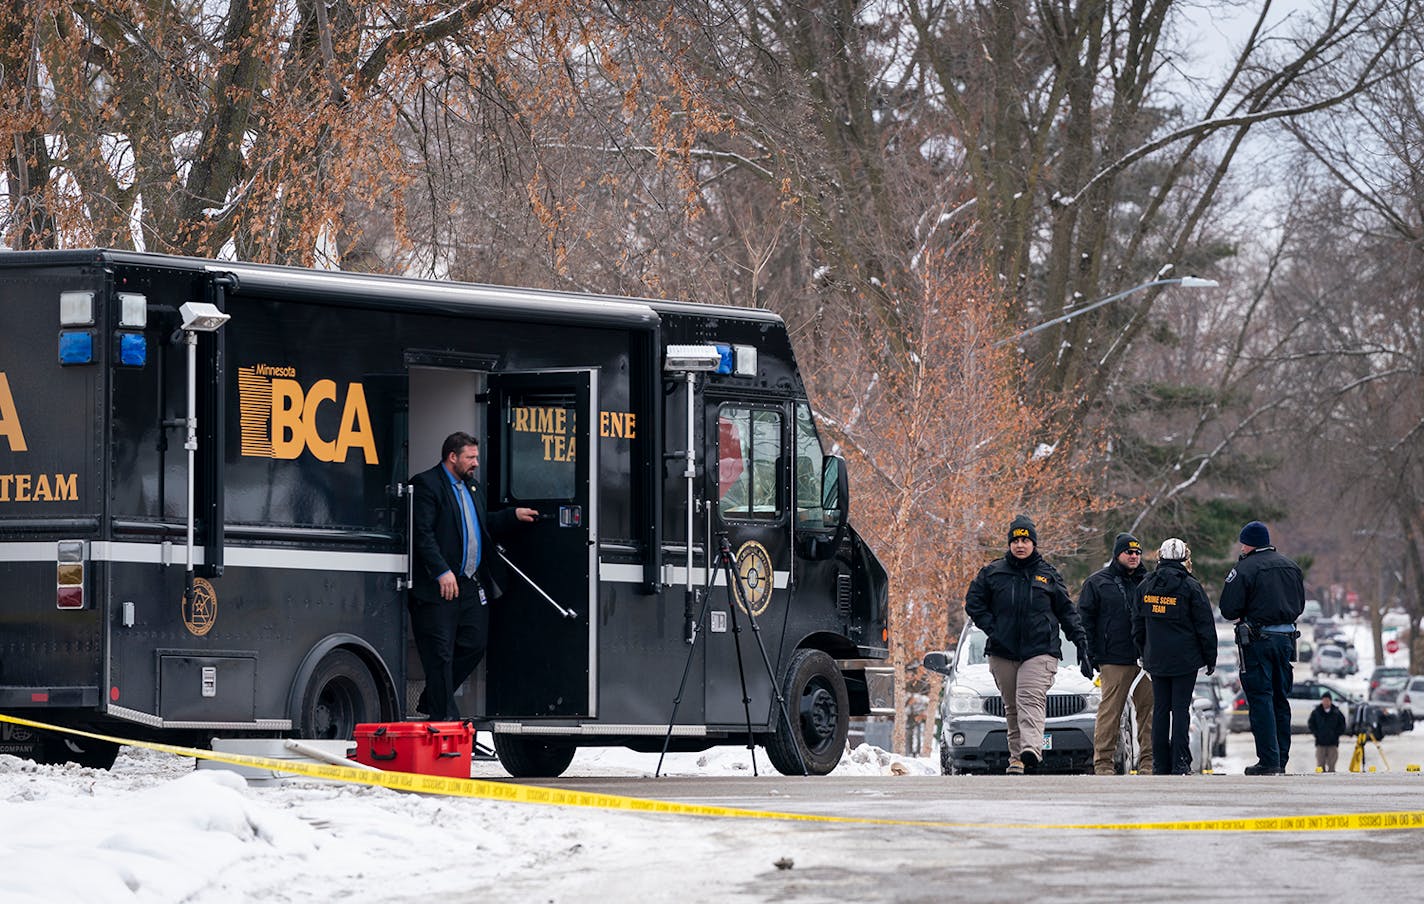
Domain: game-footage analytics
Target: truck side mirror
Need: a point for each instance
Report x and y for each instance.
(835, 505)
(835, 501)
(835, 491)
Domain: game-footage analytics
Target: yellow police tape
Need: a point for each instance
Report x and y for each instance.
(514, 793)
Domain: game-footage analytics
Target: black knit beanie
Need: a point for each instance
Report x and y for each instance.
(1125, 542)
(1022, 526)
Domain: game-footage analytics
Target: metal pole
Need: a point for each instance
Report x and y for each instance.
(690, 473)
(191, 444)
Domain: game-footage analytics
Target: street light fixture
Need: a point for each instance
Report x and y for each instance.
(1186, 282)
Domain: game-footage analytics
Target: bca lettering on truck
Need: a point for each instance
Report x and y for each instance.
(205, 517)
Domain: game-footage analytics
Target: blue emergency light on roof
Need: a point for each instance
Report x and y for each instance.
(76, 347)
(133, 349)
(726, 364)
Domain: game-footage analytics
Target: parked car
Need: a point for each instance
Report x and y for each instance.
(1383, 672)
(1411, 699)
(1393, 717)
(1311, 613)
(1330, 659)
(973, 732)
(1212, 704)
(1305, 696)
(1238, 717)
(1228, 670)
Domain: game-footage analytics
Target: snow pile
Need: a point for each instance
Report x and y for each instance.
(155, 831)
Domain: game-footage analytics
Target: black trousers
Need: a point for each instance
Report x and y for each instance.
(450, 636)
(1171, 723)
(1266, 676)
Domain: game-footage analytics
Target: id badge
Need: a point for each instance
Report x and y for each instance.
(480, 588)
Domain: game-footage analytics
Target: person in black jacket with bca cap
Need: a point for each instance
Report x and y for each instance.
(1019, 602)
(1173, 628)
(1265, 594)
(1105, 604)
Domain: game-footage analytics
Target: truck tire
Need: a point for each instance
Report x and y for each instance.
(55, 748)
(531, 757)
(340, 695)
(816, 700)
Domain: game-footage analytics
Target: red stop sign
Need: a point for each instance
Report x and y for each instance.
(1392, 647)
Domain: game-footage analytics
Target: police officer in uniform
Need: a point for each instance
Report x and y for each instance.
(1105, 605)
(1019, 602)
(1265, 594)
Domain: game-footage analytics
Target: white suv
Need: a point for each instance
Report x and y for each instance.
(973, 731)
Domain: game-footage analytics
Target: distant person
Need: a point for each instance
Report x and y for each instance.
(456, 572)
(1265, 594)
(1020, 601)
(1105, 605)
(1174, 629)
(1327, 723)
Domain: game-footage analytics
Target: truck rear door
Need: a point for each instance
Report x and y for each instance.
(52, 366)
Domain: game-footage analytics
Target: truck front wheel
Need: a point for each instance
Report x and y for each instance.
(523, 756)
(816, 701)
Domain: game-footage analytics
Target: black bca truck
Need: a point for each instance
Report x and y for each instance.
(204, 516)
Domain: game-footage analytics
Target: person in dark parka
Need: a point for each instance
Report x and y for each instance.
(1326, 723)
(1174, 630)
(1105, 604)
(1019, 601)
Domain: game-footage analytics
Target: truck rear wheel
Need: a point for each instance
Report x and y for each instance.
(531, 757)
(55, 748)
(340, 695)
(816, 700)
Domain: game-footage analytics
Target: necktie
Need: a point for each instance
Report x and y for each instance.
(472, 532)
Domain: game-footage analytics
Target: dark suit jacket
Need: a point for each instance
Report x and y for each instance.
(436, 543)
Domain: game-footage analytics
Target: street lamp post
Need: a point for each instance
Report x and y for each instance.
(1186, 282)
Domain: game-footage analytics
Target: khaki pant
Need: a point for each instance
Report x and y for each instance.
(1116, 681)
(1024, 687)
(1326, 758)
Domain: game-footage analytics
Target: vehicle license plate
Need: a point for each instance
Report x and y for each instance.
(1047, 741)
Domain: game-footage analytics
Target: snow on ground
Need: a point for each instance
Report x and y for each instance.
(157, 830)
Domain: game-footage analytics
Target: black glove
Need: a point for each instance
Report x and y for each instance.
(1211, 670)
(1085, 663)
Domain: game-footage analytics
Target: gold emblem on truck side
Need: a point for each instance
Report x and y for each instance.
(756, 575)
(200, 613)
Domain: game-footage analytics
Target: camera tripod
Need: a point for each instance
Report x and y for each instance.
(736, 600)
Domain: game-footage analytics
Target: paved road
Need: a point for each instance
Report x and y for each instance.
(979, 862)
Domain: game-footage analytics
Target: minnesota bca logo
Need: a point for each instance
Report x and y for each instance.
(278, 417)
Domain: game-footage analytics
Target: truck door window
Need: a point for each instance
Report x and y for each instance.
(809, 459)
(748, 452)
(541, 430)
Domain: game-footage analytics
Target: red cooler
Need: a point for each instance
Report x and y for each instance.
(429, 748)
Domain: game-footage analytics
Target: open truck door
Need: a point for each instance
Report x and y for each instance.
(543, 454)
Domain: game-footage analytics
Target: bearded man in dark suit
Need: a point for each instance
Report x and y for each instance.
(456, 572)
